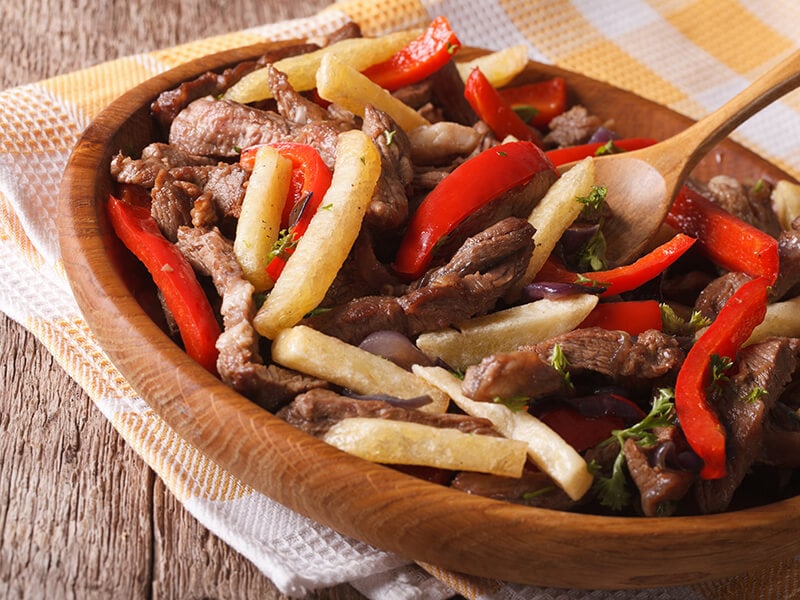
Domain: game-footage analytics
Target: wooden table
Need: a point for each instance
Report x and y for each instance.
(81, 516)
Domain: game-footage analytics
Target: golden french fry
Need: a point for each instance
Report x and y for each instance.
(301, 70)
(310, 351)
(333, 229)
(400, 442)
(506, 330)
(782, 320)
(786, 202)
(546, 448)
(260, 219)
(340, 83)
(499, 67)
(555, 213)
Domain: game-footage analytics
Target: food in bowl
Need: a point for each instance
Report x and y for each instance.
(374, 242)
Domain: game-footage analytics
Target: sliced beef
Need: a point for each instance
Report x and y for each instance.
(512, 375)
(291, 105)
(415, 95)
(171, 205)
(651, 355)
(221, 128)
(239, 364)
(572, 127)
(661, 485)
(477, 276)
(168, 104)
(154, 158)
(316, 411)
(768, 365)
(226, 184)
(789, 275)
(534, 488)
(781, 438)
(447, 90)
(714, 296)
(362, 274)
(751, 205)
(388, 208)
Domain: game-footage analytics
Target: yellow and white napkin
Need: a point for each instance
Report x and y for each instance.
(691, 55)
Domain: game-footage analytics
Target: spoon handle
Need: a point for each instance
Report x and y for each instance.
(707, 132)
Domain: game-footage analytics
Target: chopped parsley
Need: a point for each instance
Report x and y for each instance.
(389, 134)
(719, 365)
(755, 395)
(559, 362)
(612, 491)
(514, 404)
(592, 256)
(596, 198)
(283, 246)
(673, 324)
(608, 148)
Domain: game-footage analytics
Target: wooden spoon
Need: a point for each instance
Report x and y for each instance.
(642, 184)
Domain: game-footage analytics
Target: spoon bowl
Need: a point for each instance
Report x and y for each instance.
(642, 184)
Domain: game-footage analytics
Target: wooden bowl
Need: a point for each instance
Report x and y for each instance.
(399, 513)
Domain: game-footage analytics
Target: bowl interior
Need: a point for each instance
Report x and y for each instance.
(393, 511)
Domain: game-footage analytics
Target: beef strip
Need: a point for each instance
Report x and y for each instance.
(362, 274)
(625, 359)
(512, 375)
(171, 205)
(652, 355)
(388, 207)
(751, 205)
(789, 275)
(768, 365)
(447, 89)
(660, 485)
(239, 364)
(781, 438)
(291, 105)
(572, 127)
(168, 104)
(534, 488)
(154, 158)
(316, 411)
(221, 128)
(226, 184)
(477, 276)
(714, 296)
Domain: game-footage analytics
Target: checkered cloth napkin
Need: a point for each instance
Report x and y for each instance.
(690, 55)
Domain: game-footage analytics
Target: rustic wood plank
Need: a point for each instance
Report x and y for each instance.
(81, 516)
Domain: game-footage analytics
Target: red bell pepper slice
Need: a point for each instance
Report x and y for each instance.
(470, 186)
(311, 178)
(563, 156)
(734, 324)
(173, 275)
(580, 431)
(624, 278)
(633, 317)
(724, 238)
(490, 107)
(545, 99)
(419, 59)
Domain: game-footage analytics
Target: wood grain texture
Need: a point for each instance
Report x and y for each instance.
(81, 516)
(381, 506)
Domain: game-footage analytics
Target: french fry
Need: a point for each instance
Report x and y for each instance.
(399, 442)
(506, 330)
(301, 70)
(340, 83)
(322, 250)
(499, 67)
(786, 202)
(782, 320)
(260, 219)
(546, 448)
(555, 213)
(309, 351)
